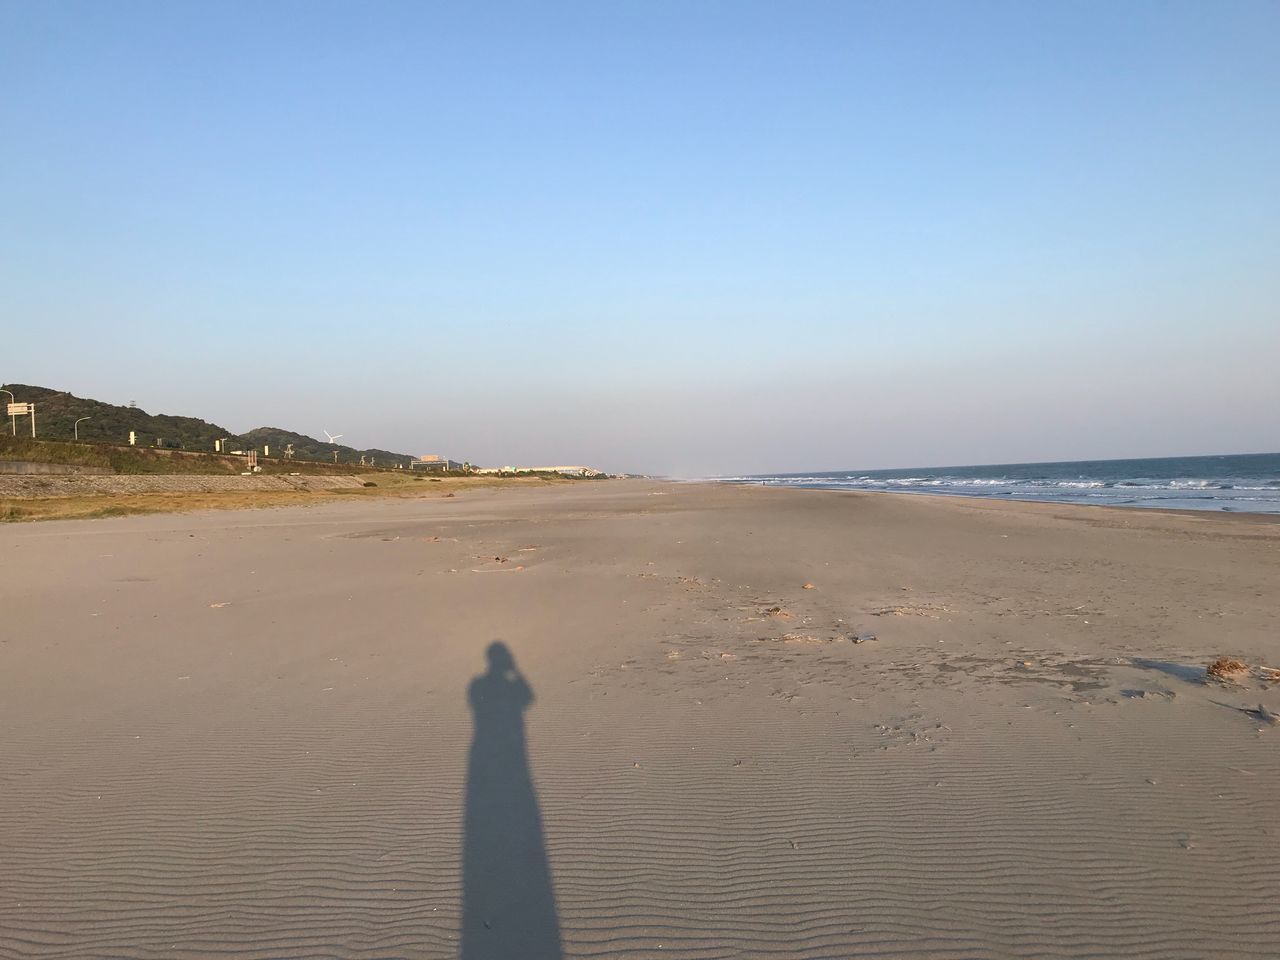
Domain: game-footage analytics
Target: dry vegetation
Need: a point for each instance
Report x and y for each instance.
(384, 485)
(1229, 669)
(130, 461)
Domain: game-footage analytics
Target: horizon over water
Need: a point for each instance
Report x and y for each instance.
(1238, 483)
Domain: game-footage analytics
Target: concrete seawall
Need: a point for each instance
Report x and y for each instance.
(23, 468)
(31, 486)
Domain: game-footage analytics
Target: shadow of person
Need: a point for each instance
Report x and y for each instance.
(508, 904)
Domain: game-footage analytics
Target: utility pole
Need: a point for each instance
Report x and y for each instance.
(75, 427)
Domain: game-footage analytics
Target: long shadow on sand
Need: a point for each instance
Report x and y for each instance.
(508, 904)
(1179, 670)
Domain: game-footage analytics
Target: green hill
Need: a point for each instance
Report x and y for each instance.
(309, 448)
(57, 411)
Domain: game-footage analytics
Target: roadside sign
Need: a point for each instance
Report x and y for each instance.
(24, 410)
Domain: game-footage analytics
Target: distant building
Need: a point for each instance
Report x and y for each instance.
(571, 471)
(434, 463)
(574, 471)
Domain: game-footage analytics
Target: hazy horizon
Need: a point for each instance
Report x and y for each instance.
(357, 444)
(720, 239)
(900, 468)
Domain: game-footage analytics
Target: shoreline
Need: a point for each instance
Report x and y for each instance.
(53, 507)
(1242, 482)
(1270, 516)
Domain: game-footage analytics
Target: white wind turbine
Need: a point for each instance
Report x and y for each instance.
(333, 437)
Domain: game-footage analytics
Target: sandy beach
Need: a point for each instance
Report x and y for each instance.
(638, 719)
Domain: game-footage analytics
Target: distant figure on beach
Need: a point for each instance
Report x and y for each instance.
(508, 904)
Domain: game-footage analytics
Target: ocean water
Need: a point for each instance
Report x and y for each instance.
(1246, 483)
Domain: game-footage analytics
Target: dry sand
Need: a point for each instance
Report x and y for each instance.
(249, 735)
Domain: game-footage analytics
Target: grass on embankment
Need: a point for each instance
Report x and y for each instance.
(139, 461)
(388, 485)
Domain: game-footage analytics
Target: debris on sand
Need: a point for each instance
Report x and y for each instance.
(1270, 674)
(1261, 712)
(864, 637)
(933, 611)
(809, 586)
(1143, 694)
(1228, 669)
(802, 638)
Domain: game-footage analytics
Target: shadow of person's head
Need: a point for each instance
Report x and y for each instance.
(501, 689)
(500, 659)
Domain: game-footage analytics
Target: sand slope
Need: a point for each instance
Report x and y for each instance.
(78, 485)
(276, 734)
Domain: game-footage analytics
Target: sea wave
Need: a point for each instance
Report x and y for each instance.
(1180, 485)
(1251, 494)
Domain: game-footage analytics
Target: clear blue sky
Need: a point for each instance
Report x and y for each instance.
(674, 237)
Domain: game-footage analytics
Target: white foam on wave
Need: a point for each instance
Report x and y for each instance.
(1181, 492)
